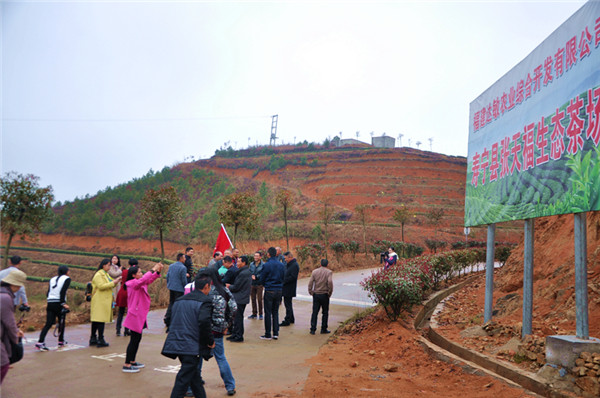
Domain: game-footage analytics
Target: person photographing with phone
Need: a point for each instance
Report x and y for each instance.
(101, 307)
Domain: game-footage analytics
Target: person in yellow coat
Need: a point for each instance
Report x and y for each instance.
(102, 299)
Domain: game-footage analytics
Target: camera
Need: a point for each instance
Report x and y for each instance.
(382, 257)
(64, 311)
(88, 292)
(24, 308)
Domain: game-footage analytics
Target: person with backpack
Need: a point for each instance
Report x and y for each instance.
(138, 303)
(190, 338)
(9, 332)
(223, 312)
(57, 307)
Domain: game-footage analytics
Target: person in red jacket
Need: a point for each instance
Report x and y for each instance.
(122, 299)
(138, 304)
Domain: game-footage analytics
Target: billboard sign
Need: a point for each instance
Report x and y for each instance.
(534, 135)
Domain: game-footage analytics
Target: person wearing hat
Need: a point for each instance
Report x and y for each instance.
(20, 295)
(9, 332)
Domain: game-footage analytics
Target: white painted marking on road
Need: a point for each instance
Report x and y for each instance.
(108, 357)
(349, 284)
(169, 369)
(69, 347)
(340, 301)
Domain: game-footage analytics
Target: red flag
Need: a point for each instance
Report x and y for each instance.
(223, 241)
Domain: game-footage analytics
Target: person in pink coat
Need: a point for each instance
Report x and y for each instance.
(138, 305)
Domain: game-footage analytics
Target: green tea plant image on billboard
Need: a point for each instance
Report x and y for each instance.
(534, 135)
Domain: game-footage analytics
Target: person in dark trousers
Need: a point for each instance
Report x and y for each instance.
(290, 281)
(241, 293)
(101, 305)
(176, 281)
(190, 338)
(320, 286)
(229, 270)
(272, 279)
(189, 265)
(256, 292)
(122, 299)
(57, 302)
(223, 311)
(138, 301)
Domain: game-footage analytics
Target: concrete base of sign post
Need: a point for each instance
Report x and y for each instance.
(564, 350)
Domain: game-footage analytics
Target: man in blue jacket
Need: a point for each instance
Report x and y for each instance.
(176, 281)
(190, 338)
(272, 279)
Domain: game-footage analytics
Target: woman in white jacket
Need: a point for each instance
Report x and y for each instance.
(57, 303)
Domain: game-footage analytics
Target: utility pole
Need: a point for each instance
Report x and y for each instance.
(273, 129)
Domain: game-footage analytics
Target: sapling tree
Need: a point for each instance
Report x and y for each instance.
(161, 210)
(24, 206)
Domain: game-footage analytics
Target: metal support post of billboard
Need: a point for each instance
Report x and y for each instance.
(528, 278)
(489, 273)
(581, 284)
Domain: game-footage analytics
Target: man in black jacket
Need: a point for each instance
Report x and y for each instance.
(241, 293)
(190, 338)
(189, 265)
(289, 287)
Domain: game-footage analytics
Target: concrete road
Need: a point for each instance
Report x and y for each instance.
(259, 367)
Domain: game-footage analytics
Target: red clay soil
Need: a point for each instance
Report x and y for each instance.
(382, 179)
(553, 291)
(382, 359)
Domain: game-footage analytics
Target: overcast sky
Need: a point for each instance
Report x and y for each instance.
(96, 93)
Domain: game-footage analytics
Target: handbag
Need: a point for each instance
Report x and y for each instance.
(17, 351)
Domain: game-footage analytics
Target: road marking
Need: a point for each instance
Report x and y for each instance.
(169, 369)
(69, 347)
(354, 303)
(109, 357)
(349, 284)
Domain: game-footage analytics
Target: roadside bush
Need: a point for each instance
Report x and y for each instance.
(339, 248)
(353, 247)
(397, 288)
(434, 245)
(313, 251)
(502, 253)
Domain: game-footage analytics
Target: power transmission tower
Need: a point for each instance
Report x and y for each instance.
(400, 139)
(430, 144)
(357, 134)
(273, 130)
(418, 143)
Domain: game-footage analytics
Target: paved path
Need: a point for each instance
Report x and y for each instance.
(258, 366)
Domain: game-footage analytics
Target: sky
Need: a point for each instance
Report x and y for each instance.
(96, 93)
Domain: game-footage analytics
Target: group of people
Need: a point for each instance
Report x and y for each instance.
(235, 282)
(204, 307)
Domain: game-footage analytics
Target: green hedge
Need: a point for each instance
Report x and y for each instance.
(82, 253)
(74, 285)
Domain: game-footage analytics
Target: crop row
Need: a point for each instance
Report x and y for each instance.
(74, 285)
(81, 253)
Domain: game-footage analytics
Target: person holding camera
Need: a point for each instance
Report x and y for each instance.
(138, 302)
(20, 295)
(10, 334)
(391, 258)
(101, 307)
(57, 307)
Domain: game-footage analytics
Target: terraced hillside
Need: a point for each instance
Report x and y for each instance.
(383, 179)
